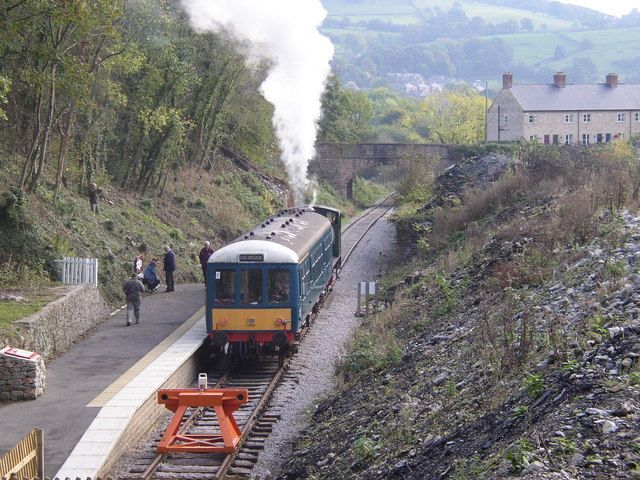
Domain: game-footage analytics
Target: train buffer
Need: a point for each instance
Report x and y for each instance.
(223, 401)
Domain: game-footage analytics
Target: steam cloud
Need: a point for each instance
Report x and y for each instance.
(286, 31)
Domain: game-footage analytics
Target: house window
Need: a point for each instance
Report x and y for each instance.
(586, 118)
(556, 139)
(585, 139)
(621, 117)
(568, 118)
(533, 119)
(607, 137)
(637, 116)
(506, 119)
(568, 139)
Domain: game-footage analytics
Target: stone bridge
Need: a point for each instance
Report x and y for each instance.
(339, 164)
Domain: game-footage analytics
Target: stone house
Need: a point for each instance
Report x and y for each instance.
(561, 113)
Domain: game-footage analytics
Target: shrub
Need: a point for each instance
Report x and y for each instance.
(520, 455)
(13, 208)
(367, 193)
(109, 225)
(416, 186)
(176, 234)
(364, 448)
(476, 204)
(146, 205)
(61, 246)
(534, 385)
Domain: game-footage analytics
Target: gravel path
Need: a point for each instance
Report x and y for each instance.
(314, 365)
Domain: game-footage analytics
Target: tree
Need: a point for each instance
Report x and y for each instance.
(454, 116)
(5, 85)
(526, 24)
(560, 52)
(346, 114)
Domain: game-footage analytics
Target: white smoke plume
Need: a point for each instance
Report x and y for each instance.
(285, 31)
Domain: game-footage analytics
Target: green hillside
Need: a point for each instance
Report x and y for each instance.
(408, 11)
(471, 40)
(604, 47)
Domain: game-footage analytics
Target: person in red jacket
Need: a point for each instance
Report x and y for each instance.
(205, 253)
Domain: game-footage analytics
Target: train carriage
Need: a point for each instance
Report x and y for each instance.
(262, 287)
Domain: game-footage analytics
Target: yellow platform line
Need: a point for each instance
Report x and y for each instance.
(130, 374)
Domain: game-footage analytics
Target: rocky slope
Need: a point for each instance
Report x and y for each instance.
(517, 339)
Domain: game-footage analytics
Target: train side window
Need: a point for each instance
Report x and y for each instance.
(225, 288)
(279, 286)
(251, 286)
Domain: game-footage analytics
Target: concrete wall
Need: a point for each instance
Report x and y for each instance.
(55, 328)
(339, 163)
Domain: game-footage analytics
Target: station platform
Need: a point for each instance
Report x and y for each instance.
(90, 380)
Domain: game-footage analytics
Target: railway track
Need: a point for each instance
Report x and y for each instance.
(255, 418)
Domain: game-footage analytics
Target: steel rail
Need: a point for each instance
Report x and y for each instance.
(255, 414)
(369, 227)
(365, 214)
(253, 418)
(183, 428)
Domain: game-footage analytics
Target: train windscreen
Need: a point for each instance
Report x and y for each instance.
(251, 286)
(279, 284)
(225, 291)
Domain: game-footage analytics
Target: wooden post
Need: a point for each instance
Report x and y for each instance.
(40, 454)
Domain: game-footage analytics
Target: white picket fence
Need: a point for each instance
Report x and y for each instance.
(74, 270)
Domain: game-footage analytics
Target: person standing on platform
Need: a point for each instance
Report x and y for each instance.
(205, 253)
(169, 267)
(132, 289)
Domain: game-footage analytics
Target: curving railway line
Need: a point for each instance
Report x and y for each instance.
(255, 418)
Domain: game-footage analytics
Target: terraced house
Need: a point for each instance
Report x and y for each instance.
(563, 113)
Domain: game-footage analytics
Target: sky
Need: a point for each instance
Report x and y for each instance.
(612, 7)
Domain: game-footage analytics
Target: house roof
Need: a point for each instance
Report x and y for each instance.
(577, 97)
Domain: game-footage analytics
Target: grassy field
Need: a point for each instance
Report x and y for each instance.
(409, 11)
(11, 311)
(537, 49)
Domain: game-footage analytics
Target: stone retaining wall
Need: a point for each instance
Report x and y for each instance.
(21, 378)
(56, 327)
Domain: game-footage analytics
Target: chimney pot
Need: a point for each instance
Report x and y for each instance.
(507, 80)
(560, 79)
(612, 80)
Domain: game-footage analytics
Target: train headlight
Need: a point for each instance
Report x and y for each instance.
(223, 322)
(280, 321)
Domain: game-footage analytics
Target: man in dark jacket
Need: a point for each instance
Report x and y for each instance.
(132, 289)
(150, 277)
(169, 267)
(205, 253)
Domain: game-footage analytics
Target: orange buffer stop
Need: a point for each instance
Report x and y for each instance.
(224, 401)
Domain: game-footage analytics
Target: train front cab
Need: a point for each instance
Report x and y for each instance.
(250, 305)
